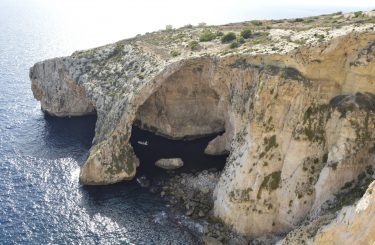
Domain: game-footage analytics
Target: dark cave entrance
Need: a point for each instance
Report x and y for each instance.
(190, 151)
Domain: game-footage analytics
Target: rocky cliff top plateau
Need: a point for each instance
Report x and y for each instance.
(295, 100)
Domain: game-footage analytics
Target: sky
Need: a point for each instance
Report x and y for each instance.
(103, 21)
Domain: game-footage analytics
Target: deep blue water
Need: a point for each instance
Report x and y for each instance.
(41, 200)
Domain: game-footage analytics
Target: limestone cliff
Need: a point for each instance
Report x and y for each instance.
(295, 99)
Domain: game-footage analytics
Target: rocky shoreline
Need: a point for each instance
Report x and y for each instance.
(192, 195)
(295, 99)
(189, 197)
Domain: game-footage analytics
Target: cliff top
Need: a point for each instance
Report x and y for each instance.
(250, 37)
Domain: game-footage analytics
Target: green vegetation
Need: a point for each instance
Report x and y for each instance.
(333, 165)
(219, 33)
(352, 191)
(229, 37)
(240, 40)
(298, 20)
(234, 44)
(206, 36)
(246, 33)
(256, 22)
(319, 36)
(194, 45)
(358, 14)
(188, 26)
(270, 182)
(175, 53)
(270, 143)
(240, 195)
(117, 53)
(314, 120)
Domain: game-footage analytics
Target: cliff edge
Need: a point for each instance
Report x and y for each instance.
(295, 99)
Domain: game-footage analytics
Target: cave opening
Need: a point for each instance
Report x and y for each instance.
(190, 151)
(179, 119)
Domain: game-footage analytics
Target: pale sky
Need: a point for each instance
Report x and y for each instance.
(103, 21)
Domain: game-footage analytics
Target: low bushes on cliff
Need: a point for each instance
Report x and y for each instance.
(227, 38)
(207, 36)
(246, 33)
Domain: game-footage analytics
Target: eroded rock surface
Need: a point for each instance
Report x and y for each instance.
(296, 105)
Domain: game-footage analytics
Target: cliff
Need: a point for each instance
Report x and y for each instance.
(296, 99)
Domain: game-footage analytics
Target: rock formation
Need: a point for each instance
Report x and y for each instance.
(169, 163)
(296, 101)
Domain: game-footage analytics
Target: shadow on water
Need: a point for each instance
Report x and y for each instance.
(66, 131)
(190, 151)
(127, 205)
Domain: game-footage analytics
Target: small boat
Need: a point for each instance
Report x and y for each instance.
(143, 142)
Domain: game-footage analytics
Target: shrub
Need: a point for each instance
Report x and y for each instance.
(202, 24)
(188, 26)
(219, 33)
(256, 22)
(358, 14)
(246, 33)
(206, 36)
(234, 44)
(240, 40)
(230, 36)
(194, 45)
(175, 53)
(168, 27)
(298, 20)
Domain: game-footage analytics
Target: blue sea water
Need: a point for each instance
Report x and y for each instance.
(41, 200)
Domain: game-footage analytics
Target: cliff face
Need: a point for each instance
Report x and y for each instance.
(298, 117)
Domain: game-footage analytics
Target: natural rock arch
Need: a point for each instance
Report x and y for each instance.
(185, 105)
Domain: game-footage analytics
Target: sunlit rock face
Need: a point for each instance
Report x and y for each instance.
(298, 123)
(54, 85)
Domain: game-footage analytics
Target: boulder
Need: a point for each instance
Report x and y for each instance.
(169, 163)
(207, 240)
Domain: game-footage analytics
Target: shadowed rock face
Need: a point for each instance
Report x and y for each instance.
(184, 106)
(298, 125)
